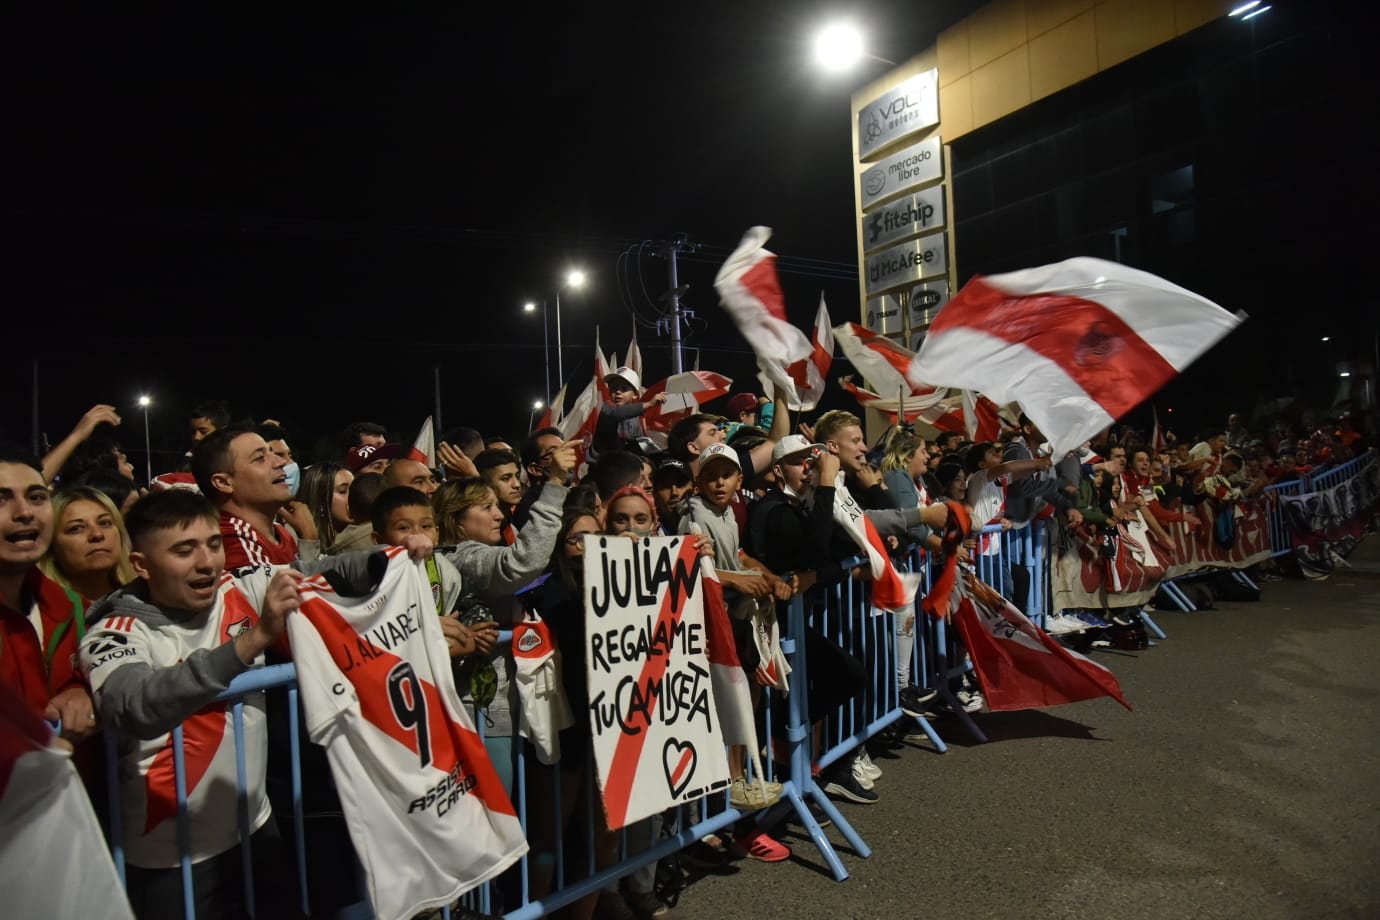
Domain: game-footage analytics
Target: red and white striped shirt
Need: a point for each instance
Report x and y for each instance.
(245, 545)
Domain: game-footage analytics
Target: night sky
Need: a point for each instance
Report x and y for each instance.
(303, 212)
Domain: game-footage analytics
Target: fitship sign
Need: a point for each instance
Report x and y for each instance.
(658, 740)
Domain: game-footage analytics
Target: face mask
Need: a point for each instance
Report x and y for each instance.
(641, 533)
(293, 472)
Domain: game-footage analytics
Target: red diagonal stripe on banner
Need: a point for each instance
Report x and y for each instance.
(1108, 359)
(886, 349)
(761, 282)
(451, 743)
(627, 753)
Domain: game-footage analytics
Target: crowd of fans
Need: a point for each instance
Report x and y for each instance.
(501, 527)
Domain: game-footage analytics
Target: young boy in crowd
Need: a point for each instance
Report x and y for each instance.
(747, 584)
(401, 512)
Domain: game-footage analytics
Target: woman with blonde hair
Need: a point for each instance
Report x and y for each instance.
(90, 549)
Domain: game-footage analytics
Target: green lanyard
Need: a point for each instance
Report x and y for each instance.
(433, 575)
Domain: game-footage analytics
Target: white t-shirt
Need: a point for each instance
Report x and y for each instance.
(986, 496)
(148, 793)
(427, 813)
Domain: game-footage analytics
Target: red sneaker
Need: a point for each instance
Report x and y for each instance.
(757, 845)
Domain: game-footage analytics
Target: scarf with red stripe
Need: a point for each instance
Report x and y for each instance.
(956, 528)
(891, 590)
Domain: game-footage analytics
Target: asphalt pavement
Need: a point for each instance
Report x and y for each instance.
(1246, 783)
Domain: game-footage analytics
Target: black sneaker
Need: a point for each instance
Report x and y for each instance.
(843, 785)
(915, 700)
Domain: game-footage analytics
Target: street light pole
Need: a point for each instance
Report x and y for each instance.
(575, 279)
(545, 341)
(144, 403)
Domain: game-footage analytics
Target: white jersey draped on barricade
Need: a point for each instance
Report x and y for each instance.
(427, 812)
(53, 857)
(665, 687)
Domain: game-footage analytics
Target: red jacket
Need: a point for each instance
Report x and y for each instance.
(40, 672)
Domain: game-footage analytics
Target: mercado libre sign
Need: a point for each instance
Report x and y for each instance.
(909, 107)
(915, 166)
(922, 212)
(917, 260)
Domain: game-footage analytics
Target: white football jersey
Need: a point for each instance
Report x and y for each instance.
(427, 813)
(147, 786)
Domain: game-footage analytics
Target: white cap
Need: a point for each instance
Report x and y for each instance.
(629, 375)
(719, 451)
(792, 444)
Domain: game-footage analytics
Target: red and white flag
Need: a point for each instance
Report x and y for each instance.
(1078, 343)
(882, 362)
(892, 591)
(1158, 442)
(685, 393)
(933, 406)
(751, 293)
(554, 412)
(814, 370)
(602, 368)
(980, 419)
(1018, 664)
(732, 695)
(424, 448)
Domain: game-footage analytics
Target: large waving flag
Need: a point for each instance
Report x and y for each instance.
(751, 293)
(554, 412)
(1078, 343)
(1018, 664)
(685, 393)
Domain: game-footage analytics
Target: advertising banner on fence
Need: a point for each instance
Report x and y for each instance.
(1330, 522)
(658, 740)
(1086, 578)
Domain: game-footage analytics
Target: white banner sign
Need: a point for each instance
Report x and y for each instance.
(657, 737)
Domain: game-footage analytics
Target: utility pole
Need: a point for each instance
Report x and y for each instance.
(678, 245)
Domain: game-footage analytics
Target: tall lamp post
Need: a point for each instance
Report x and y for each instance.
(531, 307)
(575, 280)
(144, 402)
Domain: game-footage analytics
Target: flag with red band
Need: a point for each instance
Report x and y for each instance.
(892, 591)
(1078, 344)
(1019, 665)
(685, 393)
(751, 293)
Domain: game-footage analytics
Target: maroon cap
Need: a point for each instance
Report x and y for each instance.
(743, 402)
(357, 458)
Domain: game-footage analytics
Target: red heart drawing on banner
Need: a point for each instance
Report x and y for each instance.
(678, 757)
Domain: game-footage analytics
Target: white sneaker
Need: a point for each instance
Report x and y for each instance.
(860, 775)
(971, 700)
(873, 771)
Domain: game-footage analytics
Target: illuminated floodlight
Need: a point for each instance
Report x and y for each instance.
(1245, 8)
(575, 279)
(1255, 13)
(145, 401)
(838, 46)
